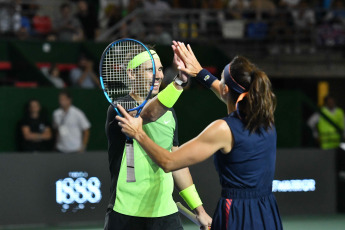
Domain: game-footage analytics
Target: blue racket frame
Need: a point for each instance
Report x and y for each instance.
(141, 106)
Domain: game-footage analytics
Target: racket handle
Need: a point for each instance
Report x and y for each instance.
(187, 213)
(130, 162)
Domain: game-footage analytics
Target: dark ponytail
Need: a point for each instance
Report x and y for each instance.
(257, 107)
(260, 102)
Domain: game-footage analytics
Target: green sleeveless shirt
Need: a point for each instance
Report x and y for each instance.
(151, 194)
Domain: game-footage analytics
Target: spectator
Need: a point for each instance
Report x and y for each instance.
(134, 29)
(132, 5)
(123, 8)
(35, 130)
(40, 22)
(30, 8)
(54, 76)
(88, 20)
(238, 8)
(281, 30)
(111, 16)
(303, 16)
(304, 21)
(328, 125)
(159, 36)
(23, 33)
(155, 8)
(289, 4)
(337, 13)
(155, 5)
(71, 125)
(10, 17)
(326, 4)
(154, 11)
(84, 76)
(332, 31)
(264, 9)
(42, 25)
(67, 27)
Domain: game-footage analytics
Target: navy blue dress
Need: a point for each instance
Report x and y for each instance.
(246, 176)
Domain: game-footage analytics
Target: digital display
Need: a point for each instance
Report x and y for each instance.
(305, 181)
(306, 185)
(73, 193)
(53, 188)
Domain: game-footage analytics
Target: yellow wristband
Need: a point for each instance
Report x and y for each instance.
(169, 95)
(191, 197)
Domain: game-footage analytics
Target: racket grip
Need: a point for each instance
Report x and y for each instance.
(191, 216)
(130, 162)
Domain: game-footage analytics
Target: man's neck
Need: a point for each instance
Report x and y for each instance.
(332, 110)
(137, 98)
(66, 109)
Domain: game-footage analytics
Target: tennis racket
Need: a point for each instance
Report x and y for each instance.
(187, 213)
(127, 67)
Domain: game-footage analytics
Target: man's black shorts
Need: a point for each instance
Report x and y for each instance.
(118, 221)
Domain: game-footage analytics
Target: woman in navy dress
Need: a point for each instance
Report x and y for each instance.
(243, 144)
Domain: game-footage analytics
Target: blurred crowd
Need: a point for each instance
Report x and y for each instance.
(77, 20)
(82, 75)
(70, 21)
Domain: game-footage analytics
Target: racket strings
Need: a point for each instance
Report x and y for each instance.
(118, 81)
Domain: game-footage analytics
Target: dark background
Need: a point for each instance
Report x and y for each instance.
(28, 192)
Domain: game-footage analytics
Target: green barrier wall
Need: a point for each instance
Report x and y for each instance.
(13, 100)
(3, 51)
(195, 110)
(289, 118)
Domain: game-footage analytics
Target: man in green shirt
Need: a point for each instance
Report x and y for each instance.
(146, 203)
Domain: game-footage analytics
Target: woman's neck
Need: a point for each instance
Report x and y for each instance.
(34, 115)
(230, 106)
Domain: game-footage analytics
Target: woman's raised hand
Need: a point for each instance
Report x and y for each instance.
(191, 65)
(178, 62)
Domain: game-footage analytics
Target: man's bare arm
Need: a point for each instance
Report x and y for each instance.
(154, 109)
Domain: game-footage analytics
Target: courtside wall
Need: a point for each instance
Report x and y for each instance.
(195, 110)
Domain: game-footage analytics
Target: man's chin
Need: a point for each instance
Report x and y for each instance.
(154, 92)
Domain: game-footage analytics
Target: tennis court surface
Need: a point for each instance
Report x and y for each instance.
(329, 222)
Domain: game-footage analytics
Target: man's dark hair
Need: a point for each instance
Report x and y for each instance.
(66, 93)
(64, 5)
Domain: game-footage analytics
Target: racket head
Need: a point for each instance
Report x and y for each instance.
(119, 75)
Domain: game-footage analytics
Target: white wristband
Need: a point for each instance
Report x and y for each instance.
(178, 81)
